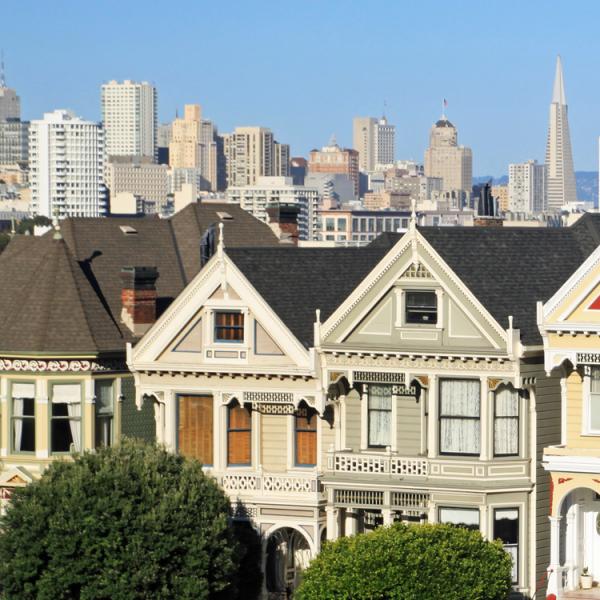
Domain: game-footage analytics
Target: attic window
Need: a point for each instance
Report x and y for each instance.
(224, 216)
(128, 230)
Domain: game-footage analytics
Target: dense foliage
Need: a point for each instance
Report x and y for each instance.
(404, 562)
(128, 522)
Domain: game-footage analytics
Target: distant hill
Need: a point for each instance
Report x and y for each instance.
(586, 181)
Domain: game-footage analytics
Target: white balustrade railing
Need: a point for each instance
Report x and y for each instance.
(384, 464)
(270, 483)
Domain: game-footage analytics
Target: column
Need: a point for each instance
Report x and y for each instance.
(333, 514)
(351, 522)
(554, 578)
(573, 540)
(432, 418)
(42, 418)
(88, 439)
(170, 421)
(388, 516)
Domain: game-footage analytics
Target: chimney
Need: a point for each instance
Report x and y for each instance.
(138, 298)
(283, 220)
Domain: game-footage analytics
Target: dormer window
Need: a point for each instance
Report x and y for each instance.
(421, 308)
(229, 327)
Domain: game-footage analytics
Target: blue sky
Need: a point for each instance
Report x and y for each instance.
(305, 68)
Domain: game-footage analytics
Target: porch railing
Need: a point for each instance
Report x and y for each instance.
(270, 483)
(384, 464)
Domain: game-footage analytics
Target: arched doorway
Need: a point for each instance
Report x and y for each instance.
(288, 554)
(580, 536)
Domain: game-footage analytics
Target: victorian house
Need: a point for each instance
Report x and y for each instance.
(570, 326)
(334, 390)
(71, 300)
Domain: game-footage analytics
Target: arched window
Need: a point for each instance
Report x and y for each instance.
(305, 434)
(239, 435)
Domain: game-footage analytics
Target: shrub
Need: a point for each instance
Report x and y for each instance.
(129, 522)
(409, 562)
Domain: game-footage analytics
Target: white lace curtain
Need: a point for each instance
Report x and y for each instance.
(460, 402)
(380, 415)
(506, 421)
(18, 404)
(71, 396)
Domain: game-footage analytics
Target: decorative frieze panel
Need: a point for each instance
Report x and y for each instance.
(266, 483)
(60, 366)
(409, 501)
(409, 466)
(274, 409)
(348, 462)
(275, 397)
(288, 483)
(378, 377)
(418, 362)
(358, 498)
(241, 482)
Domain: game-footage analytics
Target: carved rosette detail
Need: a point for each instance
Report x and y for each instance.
(59, 366)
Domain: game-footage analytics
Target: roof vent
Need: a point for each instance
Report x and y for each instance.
(128, 230)
(224, 216)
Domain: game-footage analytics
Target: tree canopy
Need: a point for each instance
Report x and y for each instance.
(128, 522)
(409, 562)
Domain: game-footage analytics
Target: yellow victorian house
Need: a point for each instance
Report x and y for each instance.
(570, 326)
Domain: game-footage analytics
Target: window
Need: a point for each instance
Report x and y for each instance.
(329, 224)
(23, 417)
(461, 517)
(379, 415)
(104, 409)
(593, 407)
(195, 428)
(239, 435)
(460, 431)
(305, 426)
(421, 307)
(506, 529)
(229, 327)
(65, 426)
(506, 422)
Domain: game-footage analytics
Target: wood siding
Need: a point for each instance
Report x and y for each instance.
(352, 420)
(408, 425)
(273, 442)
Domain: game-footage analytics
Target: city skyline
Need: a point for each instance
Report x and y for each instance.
(498, 90)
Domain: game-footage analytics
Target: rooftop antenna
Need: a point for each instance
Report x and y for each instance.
(2, 74)
(384, 108)
(444, 106)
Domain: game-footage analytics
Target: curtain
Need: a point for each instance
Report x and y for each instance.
(506, 422)
(460, 429)
(18, 404)
(380, 415)
(74, 409)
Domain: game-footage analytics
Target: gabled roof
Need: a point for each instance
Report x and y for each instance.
(64, 296)
(508, 269)
(297, 281)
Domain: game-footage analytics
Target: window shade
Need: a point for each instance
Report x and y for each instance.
(23, 390)
(66, 393)
(195, 434)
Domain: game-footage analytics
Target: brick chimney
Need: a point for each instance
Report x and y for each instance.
(283, 220)
(138, 298)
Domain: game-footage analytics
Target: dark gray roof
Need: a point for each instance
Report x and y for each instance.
(64, 296)
(297, 281)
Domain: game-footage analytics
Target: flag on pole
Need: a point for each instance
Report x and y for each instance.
(445, 103)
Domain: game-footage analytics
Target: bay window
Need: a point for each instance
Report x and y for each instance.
(506, 422)
(379, 409)
(460, 412)
(104, 409)
(461, 517)
(23, 417)
(239, 435)
(65, 418)
(506, 529)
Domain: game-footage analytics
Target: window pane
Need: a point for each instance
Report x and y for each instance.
(104, 396)
(421, 307)
(506, 436)
(195, 435)
(23, 424)
(460, 397)
(460, 436)
(380, 415)
(507, 402)
(506, 525)
(62, 437)
(463, 517)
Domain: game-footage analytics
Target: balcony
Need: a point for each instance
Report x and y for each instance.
(253, 485)
(444, 467)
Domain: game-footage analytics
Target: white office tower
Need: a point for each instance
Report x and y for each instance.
(559, 159)
(66, 166)
(374, 140)
(130, 118)
(527, 187)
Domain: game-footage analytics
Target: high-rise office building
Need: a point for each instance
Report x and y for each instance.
(66, 166)
(252, 152)
(13, 132)
(129, 113)
(374, 140)
(10, 103)
(559, 159)
(526, 187)
(335, 160)
(446, 159)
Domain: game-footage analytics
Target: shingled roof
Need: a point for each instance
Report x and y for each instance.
(64, 296)
(508, 269)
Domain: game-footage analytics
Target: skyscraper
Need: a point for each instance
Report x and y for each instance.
(526, 187)
(252, 152)
(13, 132)
(335, 160)
(66, 166)
(129, 114)
(446, 159)
(374, 140)
(559, 159)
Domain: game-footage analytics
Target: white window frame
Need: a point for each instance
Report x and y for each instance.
(587, 401)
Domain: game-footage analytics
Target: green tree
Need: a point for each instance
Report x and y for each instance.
(409, 562)
(129, 522)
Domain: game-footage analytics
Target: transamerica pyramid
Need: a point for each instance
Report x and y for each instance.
(560, 175)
